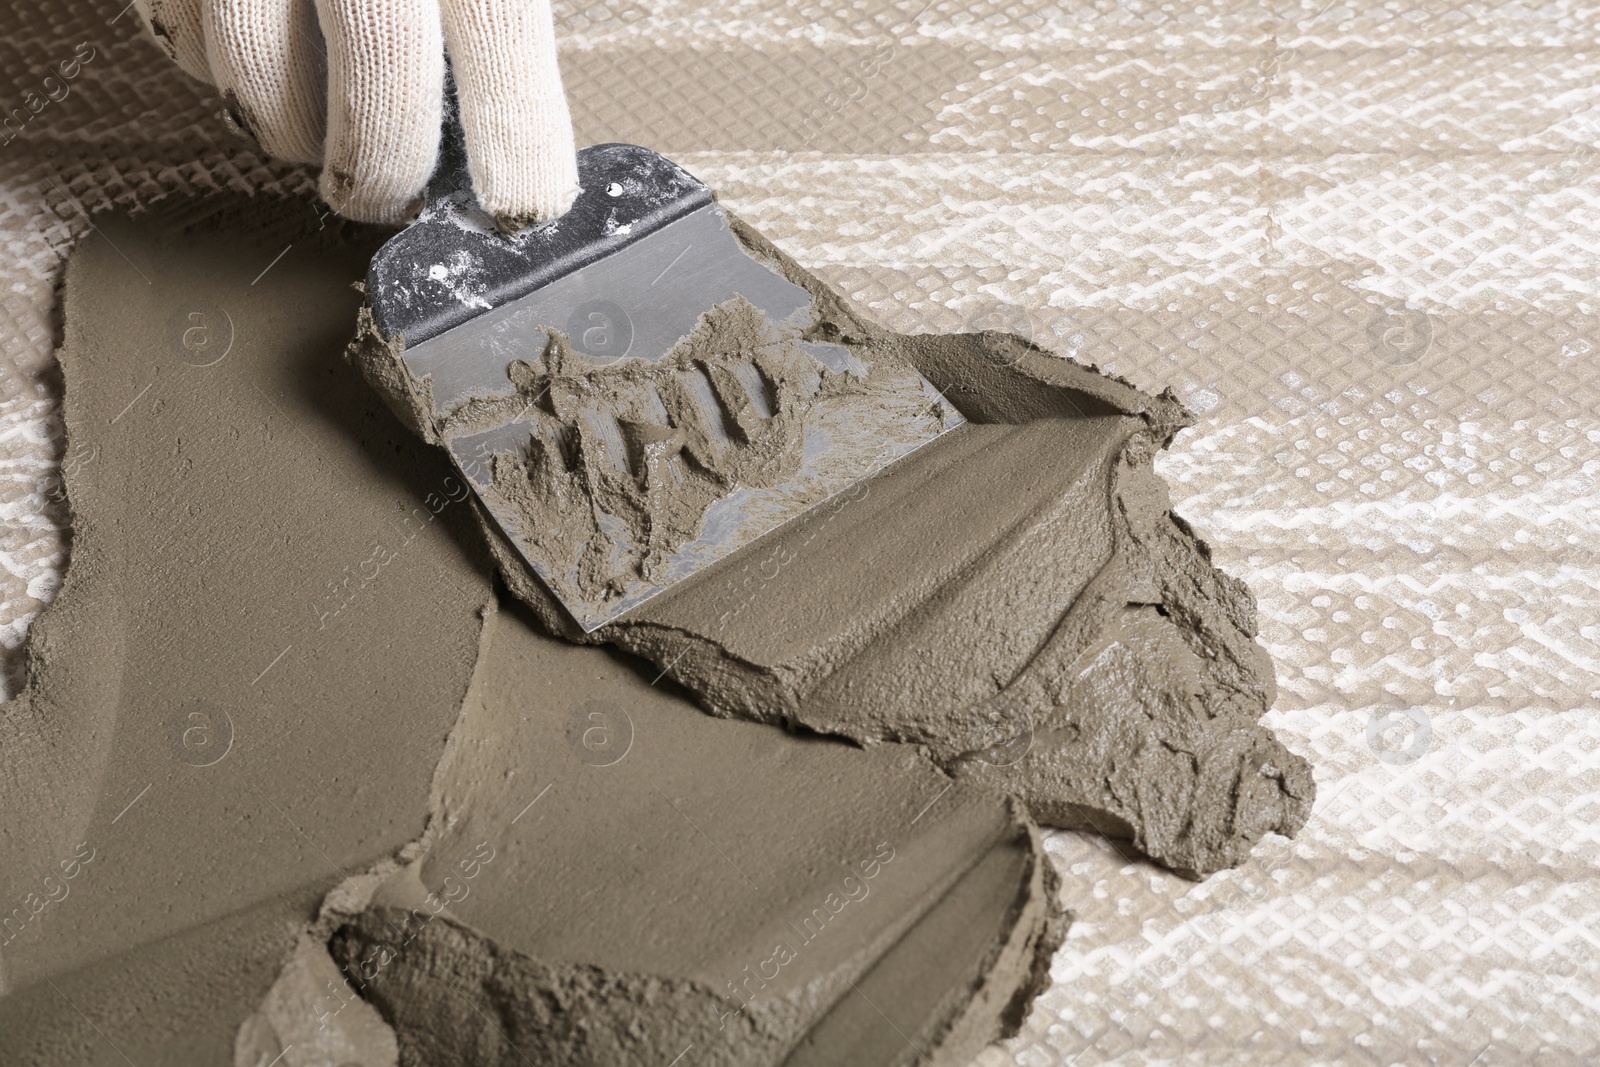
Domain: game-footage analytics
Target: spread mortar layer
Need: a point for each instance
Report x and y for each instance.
(260, 550)
(1018, 598)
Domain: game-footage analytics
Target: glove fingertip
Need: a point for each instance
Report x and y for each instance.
(177, 27)
(513, 216)
(347, 197)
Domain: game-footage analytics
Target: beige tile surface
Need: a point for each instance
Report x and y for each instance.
(1359, 238)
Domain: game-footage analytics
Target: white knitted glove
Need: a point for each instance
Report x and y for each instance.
(358, 86)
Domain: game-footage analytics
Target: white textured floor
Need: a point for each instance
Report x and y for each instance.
(1359, 239)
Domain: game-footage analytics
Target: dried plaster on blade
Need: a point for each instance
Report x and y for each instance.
(622, 462)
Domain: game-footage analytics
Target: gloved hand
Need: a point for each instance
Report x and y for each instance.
(358, 86)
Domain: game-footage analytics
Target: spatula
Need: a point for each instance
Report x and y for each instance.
(628, 272)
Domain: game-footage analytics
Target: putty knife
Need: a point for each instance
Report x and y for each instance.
(624, 274)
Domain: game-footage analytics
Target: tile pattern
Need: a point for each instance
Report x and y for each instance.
(1357, 237)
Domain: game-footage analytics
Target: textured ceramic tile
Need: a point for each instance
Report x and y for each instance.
(1358, 238)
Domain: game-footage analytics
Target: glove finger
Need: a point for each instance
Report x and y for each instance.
(385, 91)
(520, 149)
(270, 63)
(179, 28)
